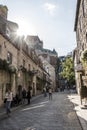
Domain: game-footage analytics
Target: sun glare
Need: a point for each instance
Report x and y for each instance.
(25, 28)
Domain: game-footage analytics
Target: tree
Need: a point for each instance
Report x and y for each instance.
(68, 71)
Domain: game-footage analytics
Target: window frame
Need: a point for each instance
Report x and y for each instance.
(9, 57)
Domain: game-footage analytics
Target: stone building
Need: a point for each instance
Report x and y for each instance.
(8, 55)
(51, 72)
(3, 17)
(35, 43)
(7, 27)
(3, 11)
(19, 65)
(19, 68)
(50, 56)
(80, 53)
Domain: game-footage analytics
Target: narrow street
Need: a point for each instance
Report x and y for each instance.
(42, 114)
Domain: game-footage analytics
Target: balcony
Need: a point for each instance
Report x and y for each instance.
(32, 72)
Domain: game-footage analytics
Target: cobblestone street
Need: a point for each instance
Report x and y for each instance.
(42, 114)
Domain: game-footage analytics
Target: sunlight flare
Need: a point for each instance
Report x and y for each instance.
(25, 28)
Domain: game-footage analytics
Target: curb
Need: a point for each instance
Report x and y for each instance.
(82, 123)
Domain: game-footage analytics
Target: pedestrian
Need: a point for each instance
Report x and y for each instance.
(9, 98)
(24, 94)
(50, 93)
(17, 99)
(28, 96)
(44, 91)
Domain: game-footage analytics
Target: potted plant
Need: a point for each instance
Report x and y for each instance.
(84, 58)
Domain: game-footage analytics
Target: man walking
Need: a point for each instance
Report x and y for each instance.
(24, 95)
(44, 91)
(28, 96)
(50, 94)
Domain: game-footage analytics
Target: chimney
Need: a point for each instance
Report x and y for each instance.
(3, 11)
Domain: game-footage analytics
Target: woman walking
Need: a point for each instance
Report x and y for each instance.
(8, 97)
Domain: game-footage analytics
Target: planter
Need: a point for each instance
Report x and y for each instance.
(84, 59)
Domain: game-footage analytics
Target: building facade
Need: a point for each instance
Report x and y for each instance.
(51, 57)
(80, 53)
(51, 72)
(35, 43)
(19, 65)
(19, 68)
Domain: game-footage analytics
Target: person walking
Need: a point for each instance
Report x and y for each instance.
(28, 96)
(44, 91)
(9, 98)
(23, 95)
(50, 93)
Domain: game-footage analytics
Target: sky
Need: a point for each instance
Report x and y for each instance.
(52, 20)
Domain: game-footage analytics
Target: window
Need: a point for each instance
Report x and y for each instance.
(23, 63)
(9, 58)
(86, 37)
(83, 47)
(84, 7)
(77, 35)
(7, 32)
(29, 66)
(80, 23)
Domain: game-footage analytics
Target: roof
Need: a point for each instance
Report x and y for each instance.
(12, 25)
(77, 12)
(30, 37)
(4, 7)
(49, 51)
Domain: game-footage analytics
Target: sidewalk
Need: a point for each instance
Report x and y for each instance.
(3, 110)
(81, 111)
